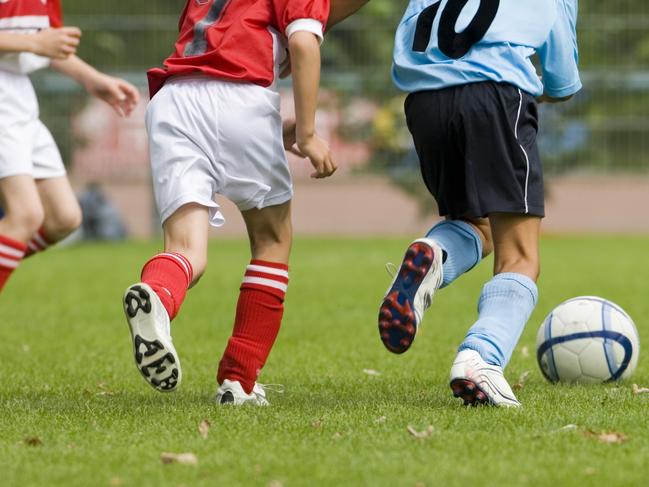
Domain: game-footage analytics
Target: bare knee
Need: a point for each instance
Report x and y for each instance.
(62, 222)
(23, 221)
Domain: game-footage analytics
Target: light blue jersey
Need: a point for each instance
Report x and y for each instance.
(442, 43)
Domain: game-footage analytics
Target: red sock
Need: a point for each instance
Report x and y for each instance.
(11, 253)
(259, 315)
(38, 243)
(169, 275)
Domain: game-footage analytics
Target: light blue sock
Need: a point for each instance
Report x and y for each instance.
(505, 305)
(462, 245)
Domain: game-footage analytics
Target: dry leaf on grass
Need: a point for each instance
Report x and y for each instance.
(204, 428)
(525, 352)
(427, 433)
(316, 423)
(372, 372)
(275, 483)
(521, 380)
(33, 441)
(590, 471)
(180, 458)
(116, 482)
(609, 437)
(639, 390)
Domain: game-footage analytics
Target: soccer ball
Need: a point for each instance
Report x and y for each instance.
(587, 340)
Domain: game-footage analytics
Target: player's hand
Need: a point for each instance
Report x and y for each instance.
(56, 43)
(317, 150)
(119, 94)
(289, 136)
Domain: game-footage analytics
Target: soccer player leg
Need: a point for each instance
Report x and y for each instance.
(151, 304)
(260, 306)
(464, 244)
(451, 248)
(505, 305)
(23, 217)
(62, 213)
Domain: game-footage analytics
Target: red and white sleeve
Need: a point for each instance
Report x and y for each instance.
(55, 13)
(302, 16)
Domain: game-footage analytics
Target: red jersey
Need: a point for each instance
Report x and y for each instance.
(238, 40)
(27, 17)
(31, 15)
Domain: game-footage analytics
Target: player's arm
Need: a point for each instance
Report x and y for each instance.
(119, 94)
(559, 56)
(341, 9)
(53, 43)
(304, 48)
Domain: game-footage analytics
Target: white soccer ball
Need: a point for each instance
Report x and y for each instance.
(587, 340)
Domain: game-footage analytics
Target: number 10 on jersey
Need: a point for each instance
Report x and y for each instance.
(453, 44)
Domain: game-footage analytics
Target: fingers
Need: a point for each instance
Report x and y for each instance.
(71, 31)
(124, 97)
(324, 167)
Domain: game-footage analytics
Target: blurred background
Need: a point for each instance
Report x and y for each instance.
(595, 148)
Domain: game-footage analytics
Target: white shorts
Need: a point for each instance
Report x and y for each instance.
(26, 146)
(207, 137)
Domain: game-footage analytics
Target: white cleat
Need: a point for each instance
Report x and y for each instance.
(155, 355)
(231, 392)
(410, 294)
(477, 382)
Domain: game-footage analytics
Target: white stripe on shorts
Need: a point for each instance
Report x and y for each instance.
(265, 282)
(5, 249)
(527, 159)
(267, 270)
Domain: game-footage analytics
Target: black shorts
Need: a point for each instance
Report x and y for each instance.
(477, 149)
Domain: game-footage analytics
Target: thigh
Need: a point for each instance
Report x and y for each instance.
(251, 153)
(57, 197)
(504, 172)
(46, 158)
(179, 127)
(429, 115)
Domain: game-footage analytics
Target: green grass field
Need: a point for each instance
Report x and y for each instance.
(74, 410)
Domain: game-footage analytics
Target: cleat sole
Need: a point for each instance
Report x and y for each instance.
(469, 392)
(397, 321)
(156, 362)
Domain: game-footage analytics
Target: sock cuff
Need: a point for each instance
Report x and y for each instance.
(266, 276)
(180, 260)
(520, 279)
(267, 263)
(11, 252)
(39, 242)
(461, 228)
